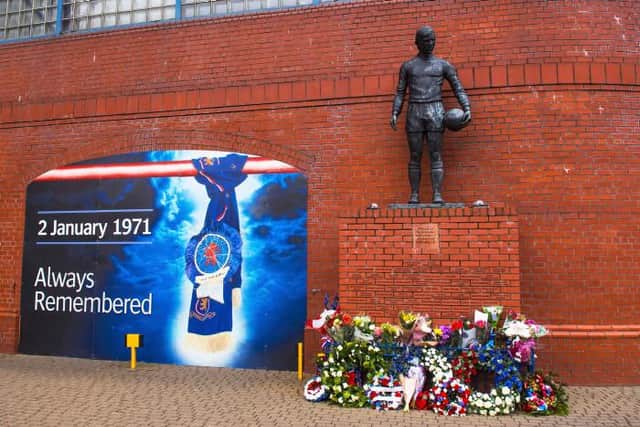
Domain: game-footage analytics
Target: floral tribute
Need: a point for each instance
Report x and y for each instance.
(314, 390)
(414, 365)
(347, 368)
(500, 401)
(544, 396)
(465, 365)
(385, 393)
(437, 364)
(449, 397)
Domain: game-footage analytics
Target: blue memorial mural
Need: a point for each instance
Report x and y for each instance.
(200, 252)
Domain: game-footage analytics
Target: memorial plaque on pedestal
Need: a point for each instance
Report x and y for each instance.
(426, 238)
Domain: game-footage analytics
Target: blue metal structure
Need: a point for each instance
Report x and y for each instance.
(22, 20)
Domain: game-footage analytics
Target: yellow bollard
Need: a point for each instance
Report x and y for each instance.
(299, 361)
(133, 358)
(133, 341)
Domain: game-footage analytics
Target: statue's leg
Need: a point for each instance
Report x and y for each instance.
(415, 140)
(437, 167)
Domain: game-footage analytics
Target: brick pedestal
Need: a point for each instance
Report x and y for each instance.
(444, 262)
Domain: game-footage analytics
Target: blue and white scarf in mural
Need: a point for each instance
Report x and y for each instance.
(213, 256)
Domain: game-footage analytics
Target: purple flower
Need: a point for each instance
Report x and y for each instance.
(446, 333)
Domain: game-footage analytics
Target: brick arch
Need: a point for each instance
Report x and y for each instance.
(124, 141)
(121, 142)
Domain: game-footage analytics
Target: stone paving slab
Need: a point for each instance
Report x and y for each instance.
(58, 391)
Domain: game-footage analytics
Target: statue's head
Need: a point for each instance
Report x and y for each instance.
(425, 40)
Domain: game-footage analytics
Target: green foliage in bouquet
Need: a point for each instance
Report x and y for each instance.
(493, 312)
(341, 327)
(562, 405)
(389, 333)
(347, 367)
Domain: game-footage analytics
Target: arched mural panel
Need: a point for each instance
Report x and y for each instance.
(204, 253)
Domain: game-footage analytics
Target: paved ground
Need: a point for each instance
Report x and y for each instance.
(56, 391)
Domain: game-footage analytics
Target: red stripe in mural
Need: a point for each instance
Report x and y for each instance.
(254, 165)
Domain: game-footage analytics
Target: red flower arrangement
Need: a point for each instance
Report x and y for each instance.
(450, 397)
(422, 400)
(464, 366)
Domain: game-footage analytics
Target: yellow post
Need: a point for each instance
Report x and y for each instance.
(299, 361)
(133, 358)
(133, 341)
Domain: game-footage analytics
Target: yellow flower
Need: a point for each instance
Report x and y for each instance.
(407, 319)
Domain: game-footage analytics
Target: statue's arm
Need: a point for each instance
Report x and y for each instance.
(399, 98)
(452, 77)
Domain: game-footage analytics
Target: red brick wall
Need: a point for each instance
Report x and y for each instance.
(8, 331)
(592, 356)
(555, 91)
(441, 262)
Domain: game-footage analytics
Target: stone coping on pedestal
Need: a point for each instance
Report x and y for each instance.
(425, 205)
(428, 210)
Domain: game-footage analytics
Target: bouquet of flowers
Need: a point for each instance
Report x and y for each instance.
(493, 313)
(469, 339)
(416, 329)
(544, 396)
(522, 350)
(517, 325)
(522, 333)
(388, 333)
(451, 335)
(340, 327)
(363, 328)
(482, 331)
(407, 320)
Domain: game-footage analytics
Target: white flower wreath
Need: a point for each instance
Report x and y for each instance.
(314, 391)
(437, 364)
(500, 401)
